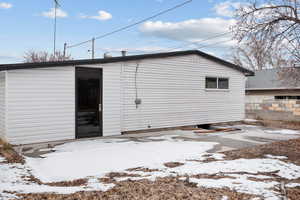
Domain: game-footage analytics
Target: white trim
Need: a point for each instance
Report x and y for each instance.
(5, 106)
(283, 88)
(217, 90)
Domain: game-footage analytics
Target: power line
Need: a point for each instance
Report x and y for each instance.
(193, 43)
(134, 24)
(197, 43)
(208, 45)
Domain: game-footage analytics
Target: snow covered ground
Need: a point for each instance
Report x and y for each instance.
(98, 157)
(283, 131)
(93, 159)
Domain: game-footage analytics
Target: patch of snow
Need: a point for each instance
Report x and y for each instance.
(217, 156)
(275, 157)
(2, 159)
(94, 184)
(12, 179)
(163, 137)
(283, 131)
(286, 170)
(98, 158)
(225, 198)
(240, 185)
(250, 120)
(292, 185)
(247, 176)
(46, 149)
(244, 126)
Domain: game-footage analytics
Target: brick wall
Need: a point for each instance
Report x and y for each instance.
(284, 110)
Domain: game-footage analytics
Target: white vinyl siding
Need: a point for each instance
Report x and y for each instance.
(111, 97)
(40, 105)
(2, 105)
(172, 91)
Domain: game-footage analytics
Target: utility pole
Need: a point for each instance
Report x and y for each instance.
(56, 4)
(93, 48)
(65, 49)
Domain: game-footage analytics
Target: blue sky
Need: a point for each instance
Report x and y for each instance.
(28, 25)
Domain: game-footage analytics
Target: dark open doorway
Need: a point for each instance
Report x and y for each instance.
(88, 102)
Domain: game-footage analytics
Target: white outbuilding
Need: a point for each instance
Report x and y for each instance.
(53, 101)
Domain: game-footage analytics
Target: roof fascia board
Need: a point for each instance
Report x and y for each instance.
(124, 59)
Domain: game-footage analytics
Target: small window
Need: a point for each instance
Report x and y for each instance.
(211, 83)
(223, 83)
(216, 83)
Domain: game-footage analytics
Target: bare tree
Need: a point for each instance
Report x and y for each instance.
(43, 56)
(274, 23)
(255, 55)
(271, 21)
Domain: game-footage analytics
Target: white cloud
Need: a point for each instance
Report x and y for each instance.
(51, 13)
(5, 5)
(226, 8)
(189, 30)
(102, 16)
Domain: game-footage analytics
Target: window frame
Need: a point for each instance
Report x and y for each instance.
(206, 77)
(227, 80)
(217, 88)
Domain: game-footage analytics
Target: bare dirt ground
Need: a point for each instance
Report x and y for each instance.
(181, 187)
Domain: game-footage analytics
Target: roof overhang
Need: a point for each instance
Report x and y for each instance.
(17, 66)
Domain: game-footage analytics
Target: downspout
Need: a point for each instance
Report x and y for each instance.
(137, 101)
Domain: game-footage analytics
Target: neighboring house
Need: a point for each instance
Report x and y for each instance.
(52, 101)
(269, 97)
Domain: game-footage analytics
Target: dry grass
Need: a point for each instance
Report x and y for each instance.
(173, 164)
(293, 193)
(289, 148)
(161, 189)
(142, 169)
(212, 176)
(9, 153)
(113, 175)
(77, 182)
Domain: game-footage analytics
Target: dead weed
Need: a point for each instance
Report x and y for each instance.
(173, 164)
(162, 188)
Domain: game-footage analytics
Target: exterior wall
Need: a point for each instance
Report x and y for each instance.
(262, 105)
(41, 102)
(2, 105)
(40, 105)
(173, 93)
(111, 97)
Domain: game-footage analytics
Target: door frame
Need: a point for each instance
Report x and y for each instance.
(100, 70)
